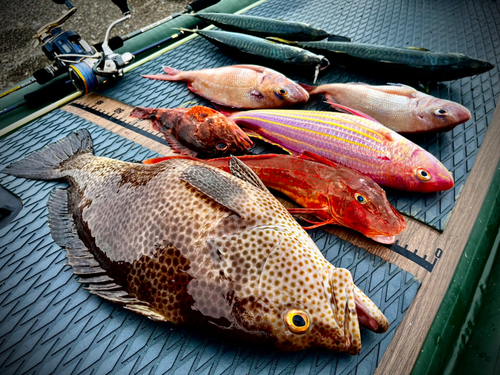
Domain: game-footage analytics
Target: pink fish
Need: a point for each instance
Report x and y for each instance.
(353, 141)
(240, 86)
(399, 107)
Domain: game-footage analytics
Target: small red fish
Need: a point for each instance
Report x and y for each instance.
(196, 130)
(240, 86)
(332, 193)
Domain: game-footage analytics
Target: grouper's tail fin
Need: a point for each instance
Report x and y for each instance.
(44, 164)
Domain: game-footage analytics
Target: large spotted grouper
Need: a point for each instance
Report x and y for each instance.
(184, 242)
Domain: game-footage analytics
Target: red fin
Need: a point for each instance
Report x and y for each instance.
(159, 160)
(317, 158)
(304, 210)
(172, 75)
(171, 71)
(226, 111)
(343, 108)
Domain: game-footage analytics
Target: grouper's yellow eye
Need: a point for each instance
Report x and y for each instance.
(423, 175)
(297, 321)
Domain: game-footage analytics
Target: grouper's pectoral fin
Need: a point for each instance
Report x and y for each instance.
(219, 186)
(64, 233)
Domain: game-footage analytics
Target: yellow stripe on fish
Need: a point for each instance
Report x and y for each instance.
(333, 116)
(310, 131)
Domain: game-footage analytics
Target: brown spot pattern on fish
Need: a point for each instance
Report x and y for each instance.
(191, 244)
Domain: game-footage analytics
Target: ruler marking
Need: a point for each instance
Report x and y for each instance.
(122, 123)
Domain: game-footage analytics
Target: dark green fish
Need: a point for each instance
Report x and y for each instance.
(417, 64)
(264, 27)
(253, 47)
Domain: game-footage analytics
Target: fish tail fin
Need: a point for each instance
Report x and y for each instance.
(171, 75)
(171, 71)
(144, 113)
(45, 164)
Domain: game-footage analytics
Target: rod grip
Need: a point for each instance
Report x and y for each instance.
(50, 93)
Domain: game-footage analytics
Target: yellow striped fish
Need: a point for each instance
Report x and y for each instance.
(353, 141)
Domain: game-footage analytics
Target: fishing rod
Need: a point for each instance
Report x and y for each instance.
(83, 67)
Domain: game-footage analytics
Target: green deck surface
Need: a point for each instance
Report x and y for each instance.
(465, 335)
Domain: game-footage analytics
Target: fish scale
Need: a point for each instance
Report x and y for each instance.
(184, 242)
(353, 141)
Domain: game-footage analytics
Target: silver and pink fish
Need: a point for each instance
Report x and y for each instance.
(399, 107)
(356, 142)
(240, 86)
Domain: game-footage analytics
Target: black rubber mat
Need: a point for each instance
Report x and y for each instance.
(469, 27)
(50, 324)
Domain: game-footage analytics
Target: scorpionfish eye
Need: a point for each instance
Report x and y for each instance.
(297, 321)
(423, 175)
(221, 146)
(360, 198)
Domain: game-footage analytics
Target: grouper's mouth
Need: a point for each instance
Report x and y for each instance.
(364, 317)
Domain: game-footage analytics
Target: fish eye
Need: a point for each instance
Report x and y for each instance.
(221, 146)
(360, 198)
(281, 91)
(297, 321)
(441, 112)
(423, 175)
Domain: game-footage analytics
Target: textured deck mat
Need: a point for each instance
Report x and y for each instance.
(50, 324)
(469, 27)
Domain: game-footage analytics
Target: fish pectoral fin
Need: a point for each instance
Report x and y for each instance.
(218, 186)
(177, 146)
(144, 309)
(342, 108)
(64, 233)
(253, 135)
(241, 170)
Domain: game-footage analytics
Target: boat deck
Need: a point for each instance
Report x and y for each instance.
(49, 323)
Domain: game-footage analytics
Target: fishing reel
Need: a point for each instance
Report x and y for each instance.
(89, 67)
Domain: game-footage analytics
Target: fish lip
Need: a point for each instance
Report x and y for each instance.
(386, 240)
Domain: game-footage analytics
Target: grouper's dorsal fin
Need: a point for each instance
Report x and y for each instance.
(241, 170)
(218, 186)
(64, 233)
